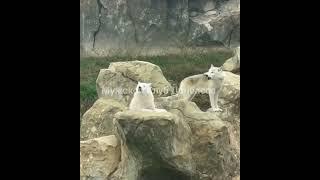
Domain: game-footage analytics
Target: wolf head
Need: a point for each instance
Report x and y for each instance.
(143, 88)
(213, 72)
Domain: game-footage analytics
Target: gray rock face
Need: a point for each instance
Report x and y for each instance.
(151, 26)
(217, 22)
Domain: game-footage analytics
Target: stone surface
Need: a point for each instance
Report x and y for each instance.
(215, 144)
(152, 26)
(212, 152)
(231, 88)
(153, 142)
(98, 120)
(120, 80)
(99, 157)
(233, 63)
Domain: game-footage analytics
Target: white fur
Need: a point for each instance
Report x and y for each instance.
(143, 99)
(210, 82)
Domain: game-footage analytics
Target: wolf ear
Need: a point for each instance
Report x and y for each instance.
(211, 66)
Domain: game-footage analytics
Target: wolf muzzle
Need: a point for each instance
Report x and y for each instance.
(207, 76)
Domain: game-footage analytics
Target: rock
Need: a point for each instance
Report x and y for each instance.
(98, 120)
(120, 80)
(233, 63)
(215, 150)
(152, 144)
(99, 157)
(217, 23)
(211, 150)
(135, 27)
(114, 85)
(89, 23)
(231, 88)
(236, 178)
(230, 99)
(185, 109)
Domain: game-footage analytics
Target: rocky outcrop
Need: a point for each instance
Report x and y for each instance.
(233, 63)
(215, 150)
(97, 121)
(99, 157)
(120, 80)
(153, 26)
(212, 152)
(183, 143)
(231, 88)
(153, 143)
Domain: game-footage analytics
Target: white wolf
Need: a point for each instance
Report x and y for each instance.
(143, 99)
(210, 82)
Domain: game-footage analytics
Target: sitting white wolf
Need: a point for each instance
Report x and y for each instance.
(210, 82)
(143, 99)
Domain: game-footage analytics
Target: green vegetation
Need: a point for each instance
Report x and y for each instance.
(174, 67)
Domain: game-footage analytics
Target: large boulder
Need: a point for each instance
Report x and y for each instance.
(233, 63)
(98, 120)
(214, 156)
(215, 149)
(231, 88)
(152, 144)
(109, 27)
(120, 80)
(99, 157)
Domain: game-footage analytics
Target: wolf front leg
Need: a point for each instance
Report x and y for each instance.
(214, 100)
(211, 98)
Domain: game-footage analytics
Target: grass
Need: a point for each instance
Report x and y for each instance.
(174, 67)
